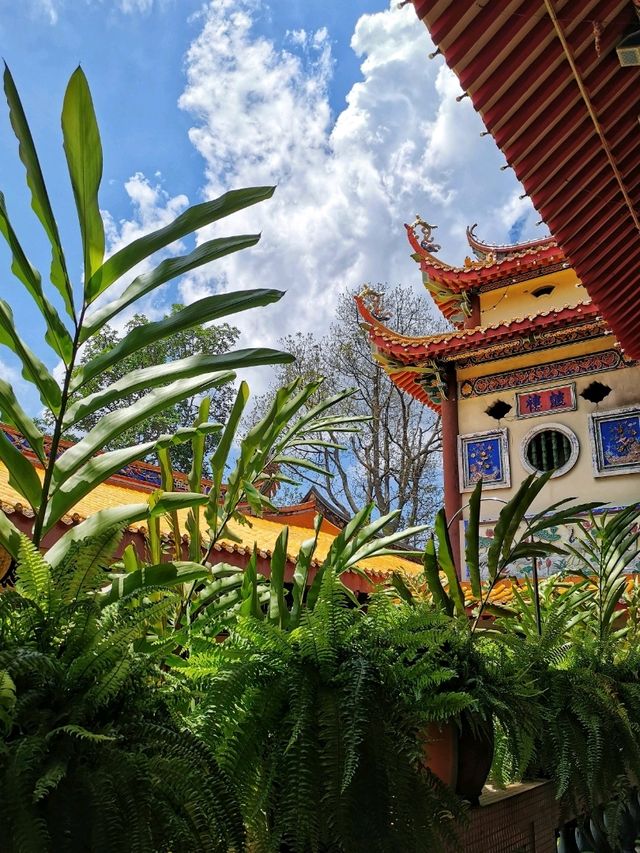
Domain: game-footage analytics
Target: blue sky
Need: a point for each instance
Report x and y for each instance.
(335, 101)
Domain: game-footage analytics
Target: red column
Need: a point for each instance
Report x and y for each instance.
(473, 320)
(452, 497)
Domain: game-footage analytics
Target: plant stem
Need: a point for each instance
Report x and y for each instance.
(57, 433)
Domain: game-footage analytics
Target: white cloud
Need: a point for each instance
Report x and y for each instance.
(51, 9)
(346, 183)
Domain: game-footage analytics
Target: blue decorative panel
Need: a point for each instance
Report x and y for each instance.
(484, 455)
(615, 437)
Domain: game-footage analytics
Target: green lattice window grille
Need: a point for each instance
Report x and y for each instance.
(548, 449)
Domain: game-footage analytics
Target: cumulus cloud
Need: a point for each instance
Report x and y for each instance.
(346, 182)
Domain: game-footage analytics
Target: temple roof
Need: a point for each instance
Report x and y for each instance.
(261, 531)
(494, 267)
(481, 249)
(414, 363)
(547, 82)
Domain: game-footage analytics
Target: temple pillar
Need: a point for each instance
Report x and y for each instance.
(452, 496)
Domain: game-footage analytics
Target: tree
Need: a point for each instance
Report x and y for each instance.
(394, 459)
(205, 340)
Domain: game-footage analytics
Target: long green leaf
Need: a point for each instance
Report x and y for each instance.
(250, 597)
(381, 544)
(511, 515)
(114, 422)
(56, 335)
(183, 368)
(398, 583)
(10, 536)
(22, 474)
(14, 414)
(447, 563)
(301, 462)
(161, 574)
(313, 413)
(472, 541)
(83, 151)
(169, 269)
(120, 516)
(69, 491)
(193, 218)
(32, 368)
(219, 458)
(301, 572)
(39, 197)
(278, 612)
(195, 479)
(432, 575)
(202, 311)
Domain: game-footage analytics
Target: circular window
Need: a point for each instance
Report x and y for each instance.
(553, 447)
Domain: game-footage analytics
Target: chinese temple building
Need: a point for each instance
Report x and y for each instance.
(530, 377)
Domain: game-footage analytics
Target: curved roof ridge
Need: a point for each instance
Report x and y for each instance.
(482, 248)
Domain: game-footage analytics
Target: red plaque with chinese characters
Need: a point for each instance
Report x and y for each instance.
(529, 404)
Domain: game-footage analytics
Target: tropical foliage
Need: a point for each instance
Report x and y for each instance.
(214, 339)
(164, 703)
(109, 286)
(327, 721)
(92, 755)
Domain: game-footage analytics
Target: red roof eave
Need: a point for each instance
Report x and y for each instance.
(546, 79)
(409, 350)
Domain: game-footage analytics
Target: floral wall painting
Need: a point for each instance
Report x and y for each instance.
(484, 455)
(530, 404)
(615, 439)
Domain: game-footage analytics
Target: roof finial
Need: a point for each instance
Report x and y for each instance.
(427, 243)
(373, 299)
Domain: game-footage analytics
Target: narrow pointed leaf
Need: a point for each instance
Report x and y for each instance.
(381, 545)
(398, 583)
(68, 492)
(39, 197)
(56, 335)
(83, 151)
(166, 481)
(183, 368)
(10, 536)
(432, 574)
(168, 270)
(447, 563)
(22, 474)
(219, 458)
(300, 462)
(472, 540)
(193, 218)
(195, 479)
(114, 422)
(250, 598)
(202, 311)
(14, 414)
(121, 516)
(277, 608)
(301, 572)
(162, 574)
(32, 368)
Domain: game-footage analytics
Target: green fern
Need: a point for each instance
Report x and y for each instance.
(94, 755)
